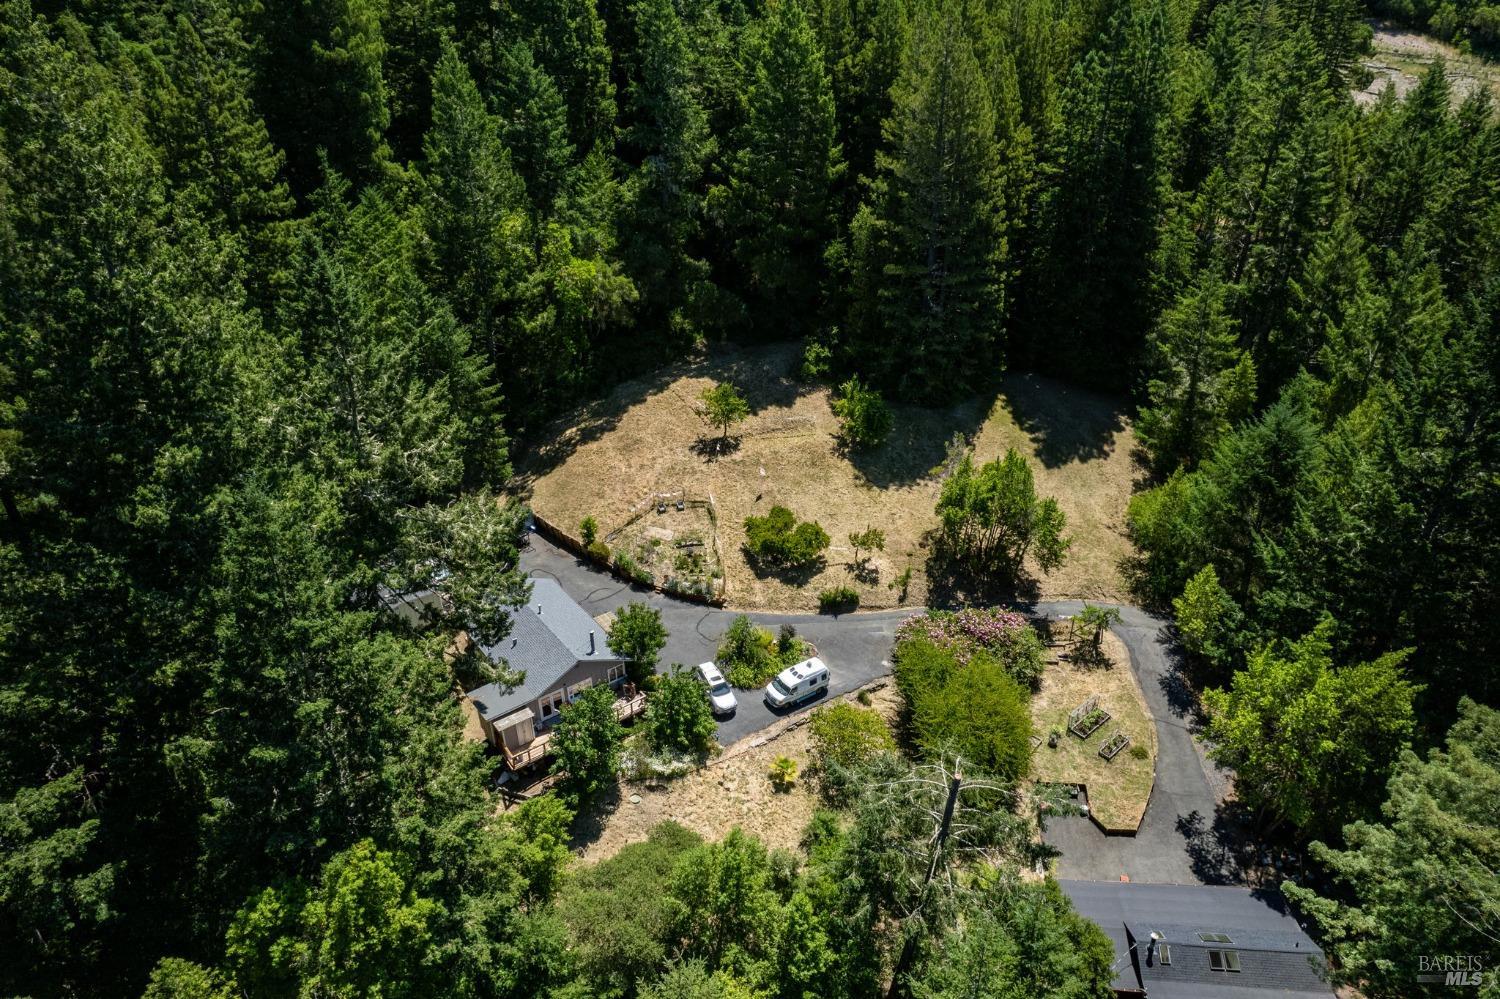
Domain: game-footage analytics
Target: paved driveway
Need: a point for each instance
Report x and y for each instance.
(1176, 841)
(1173, 842)
(856, 647)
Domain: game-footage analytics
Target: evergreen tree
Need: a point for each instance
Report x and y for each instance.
(671, 137)
(534, 129)
(1087, 313)
(474, 211)
(1206, 383)
(783, 173)
(931, 245)
(319, 84)
(216, 145)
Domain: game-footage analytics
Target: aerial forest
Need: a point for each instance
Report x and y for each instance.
(287, 287)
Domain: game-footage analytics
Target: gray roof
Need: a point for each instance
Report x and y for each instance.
(1276, 956)
(548, 636)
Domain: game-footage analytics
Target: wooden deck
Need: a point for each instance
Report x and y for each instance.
(626, 708)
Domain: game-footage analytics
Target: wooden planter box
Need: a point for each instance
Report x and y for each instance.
(1090, 723)
(1112, 747)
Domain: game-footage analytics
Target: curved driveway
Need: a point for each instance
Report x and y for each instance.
(1169, 845)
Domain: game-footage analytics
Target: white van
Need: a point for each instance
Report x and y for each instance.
(798, 683)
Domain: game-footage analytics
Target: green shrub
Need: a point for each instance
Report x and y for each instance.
(975, 709)
(599, 552)
(845, 735)
(1004, 635)
(633, 570)
(637, 636)
(902, 583)
(629, 893)
(838, 599)
(784, 774)
(817, 362)
(678, 717)
(750, 656)
(1139, 752)
(864, 418)
(588, 530)
(778, 541)
(747, 654)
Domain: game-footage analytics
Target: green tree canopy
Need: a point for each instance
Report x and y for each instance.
(1309, 741)
(586, 743)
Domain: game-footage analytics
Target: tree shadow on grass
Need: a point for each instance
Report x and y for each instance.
(792, 575)
(952, 585)
(716, 447)
(918, 445)
(592, 818)
(1065, 423)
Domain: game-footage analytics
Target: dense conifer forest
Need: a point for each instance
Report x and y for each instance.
(284, 286)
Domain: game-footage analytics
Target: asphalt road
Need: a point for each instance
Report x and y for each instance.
(1176, 840)
(855, 646)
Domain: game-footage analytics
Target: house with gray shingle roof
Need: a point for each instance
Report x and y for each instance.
(1202, 942)
(562, 652)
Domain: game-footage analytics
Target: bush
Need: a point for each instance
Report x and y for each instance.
(845, 735)
(992, 519)
(678, 717)
(629, 893)
(838, 599)
(1003, 635)
(588, 531)
(817, 362)
(1139, 752)
(787, 643)
(778, 541)
(637, 636)
(633, 570)
(784, 774)
(749, 656)
(974, 708)
(864, 418)
(599, 552)
(746, 656)
(902, 583)
(982, 714)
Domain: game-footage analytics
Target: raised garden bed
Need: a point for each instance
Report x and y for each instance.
(1087, 718)
(1113, 745)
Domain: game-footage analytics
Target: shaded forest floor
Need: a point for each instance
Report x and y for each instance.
(650, 436)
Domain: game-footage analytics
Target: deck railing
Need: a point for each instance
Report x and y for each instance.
(626, 708)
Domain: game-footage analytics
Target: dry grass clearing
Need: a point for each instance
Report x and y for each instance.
(733, 791)
(1118, 789)
(1400, 57)
(649, 436)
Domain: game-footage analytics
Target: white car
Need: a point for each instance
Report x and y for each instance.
(720, 696)
(798, 683)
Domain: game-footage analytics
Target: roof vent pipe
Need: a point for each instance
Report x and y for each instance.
(591, 642)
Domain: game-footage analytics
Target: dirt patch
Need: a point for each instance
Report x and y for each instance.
(1400, 56)
(734, 790)
(1118, 789)
(648, 437)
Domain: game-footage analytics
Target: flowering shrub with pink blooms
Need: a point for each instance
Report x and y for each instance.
(1004, 634)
